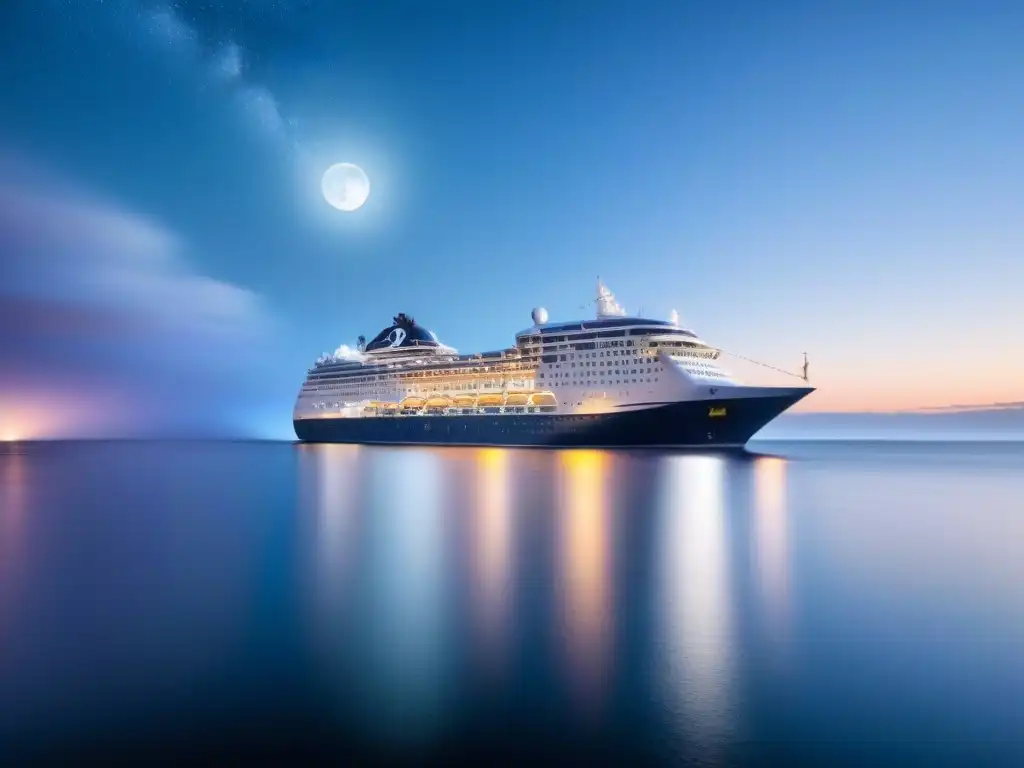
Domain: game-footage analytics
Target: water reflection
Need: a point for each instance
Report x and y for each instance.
(696, 625)
(491, 553)
(13, 511)
(771, 543)
(12, 494)
(405, 618)
(155, 585)
(330, 493)
(585, 607)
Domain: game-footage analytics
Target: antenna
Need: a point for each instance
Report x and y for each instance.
(595, 299)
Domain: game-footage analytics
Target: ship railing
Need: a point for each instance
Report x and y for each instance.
(439, 404)
(455, 410)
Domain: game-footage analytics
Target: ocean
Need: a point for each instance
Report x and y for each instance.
(809, 603)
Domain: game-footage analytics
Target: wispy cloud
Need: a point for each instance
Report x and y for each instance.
(262, 109)
(966, 408)
(173, 33)
(88, 252)
(223, 61)
(109, 323)
(228, 63)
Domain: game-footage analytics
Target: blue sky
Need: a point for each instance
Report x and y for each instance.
(843, 179)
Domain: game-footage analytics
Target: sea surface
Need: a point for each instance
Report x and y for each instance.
(813, 603)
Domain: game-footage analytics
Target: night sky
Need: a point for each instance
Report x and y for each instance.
(844, 179)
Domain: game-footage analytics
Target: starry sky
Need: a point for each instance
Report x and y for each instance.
(844, 179)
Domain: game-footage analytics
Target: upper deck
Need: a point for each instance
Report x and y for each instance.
(405, 346)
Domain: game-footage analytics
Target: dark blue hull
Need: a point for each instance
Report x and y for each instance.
(692, 424)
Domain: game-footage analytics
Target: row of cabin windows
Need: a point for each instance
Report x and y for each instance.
(583, 379)
(591, 373)
(555, 350)
(695, 367)
(707, 373)
(625, 358)
(582, 335)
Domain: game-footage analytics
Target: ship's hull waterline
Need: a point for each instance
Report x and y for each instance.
(716, 423)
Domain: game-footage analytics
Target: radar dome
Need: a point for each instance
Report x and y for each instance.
(540, 316)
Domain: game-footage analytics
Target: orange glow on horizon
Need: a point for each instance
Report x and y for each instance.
(52, 416)
(18, 424)
(890, 381)
(845, 398)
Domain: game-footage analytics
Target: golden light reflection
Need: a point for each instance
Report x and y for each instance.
(492, 553)
(771, 541)
(585, 558)
(695, 608)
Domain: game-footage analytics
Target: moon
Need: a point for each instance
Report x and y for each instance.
(345, 186)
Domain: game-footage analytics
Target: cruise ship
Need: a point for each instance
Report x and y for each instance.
(614, 381)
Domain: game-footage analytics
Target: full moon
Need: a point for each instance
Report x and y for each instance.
(345, 186)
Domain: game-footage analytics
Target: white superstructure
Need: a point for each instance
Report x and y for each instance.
(611, 363)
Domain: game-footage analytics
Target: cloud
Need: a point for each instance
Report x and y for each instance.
(107, 321)
(173, 33)
(226, 65)
(45, 318)
(345, 352)
(1017, 405)
(262, 109)
(94, 253)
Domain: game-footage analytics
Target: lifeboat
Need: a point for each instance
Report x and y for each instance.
(490, 401)
(438, 404)
(464, 401)
(517, 398)
(543, 399)
(412, 403)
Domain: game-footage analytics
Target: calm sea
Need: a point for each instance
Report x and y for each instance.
(820, 603)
